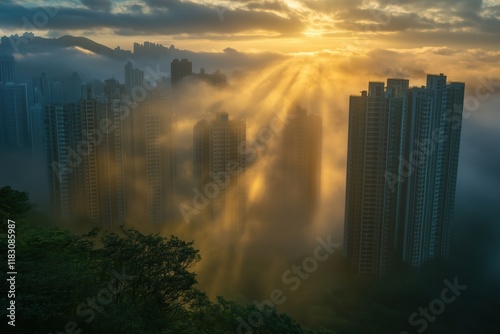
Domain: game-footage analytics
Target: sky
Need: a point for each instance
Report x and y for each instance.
(317, 52)
(256, 25)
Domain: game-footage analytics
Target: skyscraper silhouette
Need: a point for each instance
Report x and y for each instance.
(111, 161)
(14, 109)
(219, 169)
(7, 70)
(103, 160)
(302, 143)
(14, 117)
(63, 131)
(180, 69)
(401, 172)
(150, 145)
(134, 77)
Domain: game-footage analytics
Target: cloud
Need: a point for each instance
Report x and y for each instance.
(104, 5)
(439, 21)
(230, 50)
(164, 17)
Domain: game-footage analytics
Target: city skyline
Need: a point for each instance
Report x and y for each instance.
(250, 166)
(45, 84)
(90, 139)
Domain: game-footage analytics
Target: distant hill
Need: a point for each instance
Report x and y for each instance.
(84, 43)
(32, 44)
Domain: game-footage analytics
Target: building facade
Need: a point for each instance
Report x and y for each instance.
(219, 168)
(401, 173)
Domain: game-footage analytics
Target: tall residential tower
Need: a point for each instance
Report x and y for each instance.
(219, 163)
(401, 172)
(302, 143)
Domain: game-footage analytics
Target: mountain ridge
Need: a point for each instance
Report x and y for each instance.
(29, 43)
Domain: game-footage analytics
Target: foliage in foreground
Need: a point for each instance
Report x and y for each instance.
(124, 282)
(128, 282)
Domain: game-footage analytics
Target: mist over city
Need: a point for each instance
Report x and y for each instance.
(250, 166)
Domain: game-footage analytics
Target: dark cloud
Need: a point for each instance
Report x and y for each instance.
(426, 22)
(136, 8)
(367, 21)
(449, 5)
(266, 5)
(230, 50)
(417, 17)
(449, 14)
(163, 3)
(104, 5)
(169, 17)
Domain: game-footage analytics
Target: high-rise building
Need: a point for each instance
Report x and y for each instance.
(72, 89)
(431, 155)
(150, 146)
(14, 109)
(38, 96)
(302, 144)
(113, 90)
(90, 157)
(180, 69)
(21, 112)
(401, 172)
(149, 49)
(37, 132)
(201, 153)
(63, 133)
(217, 79)
(219, 169)
(7, 70)
(103, 160)
(95, 144)
(134, 77)
(14, 117)
(112, 166)
(67, 90)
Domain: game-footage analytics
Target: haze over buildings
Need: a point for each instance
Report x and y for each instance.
(108, 160)
(301, 150)
(219, 170)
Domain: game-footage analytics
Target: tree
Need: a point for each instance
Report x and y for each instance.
(13, 205)
(125, 282)
(161, 282)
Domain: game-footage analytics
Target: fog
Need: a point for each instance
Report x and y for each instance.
(250, 265)
(274, 240)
